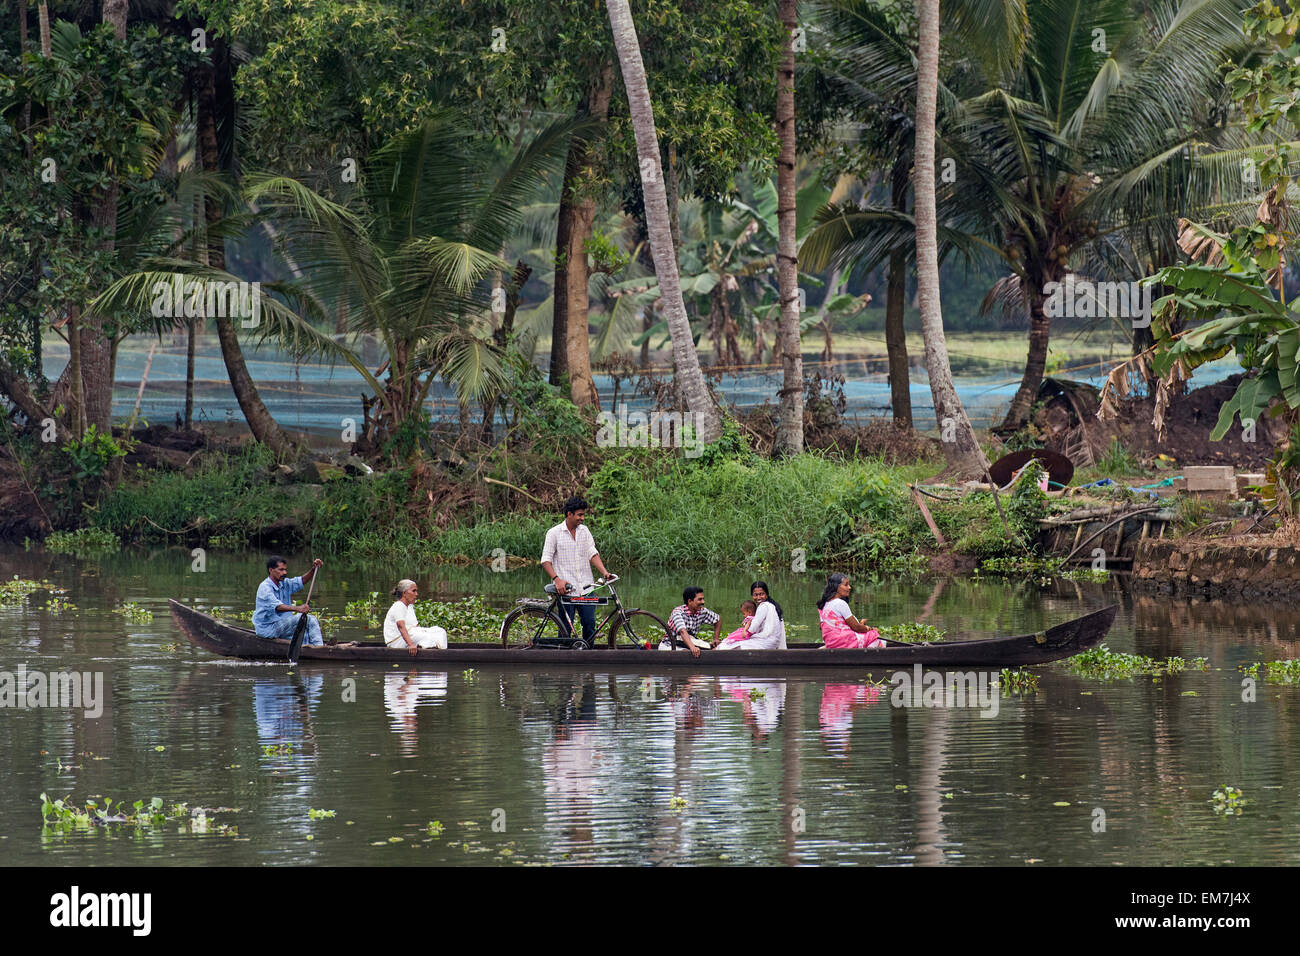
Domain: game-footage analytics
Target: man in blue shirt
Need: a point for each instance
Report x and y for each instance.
(274, 616)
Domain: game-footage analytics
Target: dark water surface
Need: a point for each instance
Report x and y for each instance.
(529, 767)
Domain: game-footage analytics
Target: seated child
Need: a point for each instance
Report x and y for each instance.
(747, 610)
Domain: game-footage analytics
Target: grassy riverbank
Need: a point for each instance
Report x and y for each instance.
(727, 508)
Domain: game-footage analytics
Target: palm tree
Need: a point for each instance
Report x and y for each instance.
(212, 253)
(1079, 148)
(960, 449)
(408, 258)
(96, 347)
(789, 430)
(690, 378)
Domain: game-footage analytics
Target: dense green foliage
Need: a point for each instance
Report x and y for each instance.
(727, 508)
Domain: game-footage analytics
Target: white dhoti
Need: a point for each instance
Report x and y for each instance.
(423, 637)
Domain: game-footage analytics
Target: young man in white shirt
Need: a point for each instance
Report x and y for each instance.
(567, 557)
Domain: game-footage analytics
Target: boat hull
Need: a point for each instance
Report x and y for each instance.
(1056, 643)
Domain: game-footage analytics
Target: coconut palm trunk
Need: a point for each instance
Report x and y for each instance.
(1040, 330)
(43, 15)
(582, 386)
(94, 336)
(260, 422)
(957, 438)
(900, 386)
(689, 377)
(789, 428)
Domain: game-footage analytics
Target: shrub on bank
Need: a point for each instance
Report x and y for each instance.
(231, 495)
(727, 508)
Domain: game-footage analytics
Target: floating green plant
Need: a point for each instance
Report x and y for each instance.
(14, 593)
(58, 604)
(912, 632)
(676, 803)
(319, 814)
(277, 750)
(63, 816)
(1092, 575)
(757, 693)
(83, 542)
(134, 613)
(1035, 567)
(1101, 663)
(434, 828)
(1018, 682)
(1275, 672)
(1228, 801)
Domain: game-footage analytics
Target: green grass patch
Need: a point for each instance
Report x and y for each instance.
(726, 509)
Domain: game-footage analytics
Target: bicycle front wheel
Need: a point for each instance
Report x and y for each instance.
(526, 626)
(642, 627)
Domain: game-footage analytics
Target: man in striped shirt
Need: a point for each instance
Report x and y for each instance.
(687, 619)
(567, 557)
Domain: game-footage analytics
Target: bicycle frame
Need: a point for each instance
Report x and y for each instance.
(557, 604)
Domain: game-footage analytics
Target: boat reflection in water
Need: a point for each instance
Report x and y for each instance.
(763, 702)
(835, 716)
(572, 763)
(403, 694)
(283, 706)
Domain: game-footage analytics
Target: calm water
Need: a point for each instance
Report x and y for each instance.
(317, 398)
(524, 767)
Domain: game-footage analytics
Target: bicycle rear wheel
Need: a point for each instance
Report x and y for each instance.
(642, 627)
(526, 626)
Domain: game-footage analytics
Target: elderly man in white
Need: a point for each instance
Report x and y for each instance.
(567, 557)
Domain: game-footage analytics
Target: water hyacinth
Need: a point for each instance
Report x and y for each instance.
(1101, 663)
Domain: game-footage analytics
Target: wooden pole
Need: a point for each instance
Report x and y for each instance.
(148, 363)
(925, 513)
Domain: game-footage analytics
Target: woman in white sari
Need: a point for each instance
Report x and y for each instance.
(401, 627)
(766, 630)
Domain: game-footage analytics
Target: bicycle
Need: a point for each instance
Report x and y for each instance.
(536, 622)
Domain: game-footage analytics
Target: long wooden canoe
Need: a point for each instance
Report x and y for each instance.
(1063, 640)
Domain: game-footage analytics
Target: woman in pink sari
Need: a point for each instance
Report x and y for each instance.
(840, 629)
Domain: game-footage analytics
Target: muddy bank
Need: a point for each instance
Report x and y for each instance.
(1215, 569)
(1067, 422)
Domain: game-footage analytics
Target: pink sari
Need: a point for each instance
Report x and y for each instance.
(838, 635)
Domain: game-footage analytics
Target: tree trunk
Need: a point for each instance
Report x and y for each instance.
(824, 318)
(1040, 329)
(564, 223)
(96, 339)
(582, 387)
(789, 429)
(77, 410)
(716, 333)
(957, 438)
(646, 260)
(260, 422)
(674, 204)
(730, 331)
(501, 336)
(16, 388)
(43, 15)
(691, 380)
(900, 385)
(22, 48)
